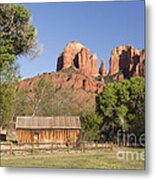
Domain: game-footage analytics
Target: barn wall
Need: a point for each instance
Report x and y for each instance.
(57, 135)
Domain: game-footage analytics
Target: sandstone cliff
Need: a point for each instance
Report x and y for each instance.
(77, 55)
(68, 57)
(127, 61)
(66, 80)
(103, 70)
(78, 69)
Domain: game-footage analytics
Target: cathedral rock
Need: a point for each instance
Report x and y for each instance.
(77, 69)
(78, 56)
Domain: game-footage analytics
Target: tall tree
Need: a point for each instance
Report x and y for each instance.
(136, 114)
(43, 92)
(17, 37)
(121, 105)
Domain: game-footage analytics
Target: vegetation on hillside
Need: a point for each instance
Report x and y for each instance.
(44, 99)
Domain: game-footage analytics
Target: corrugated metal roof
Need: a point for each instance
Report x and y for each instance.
(55, 122)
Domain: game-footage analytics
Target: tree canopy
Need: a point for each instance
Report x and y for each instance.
(121, 105)
(17, 37)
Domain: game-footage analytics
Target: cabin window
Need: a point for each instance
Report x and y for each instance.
(36, 136)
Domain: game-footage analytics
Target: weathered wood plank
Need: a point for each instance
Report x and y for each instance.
(40, 136)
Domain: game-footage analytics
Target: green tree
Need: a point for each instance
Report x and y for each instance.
(91, 127)
(136, 105)
(22, 103)
(121, 105)
(17, 37)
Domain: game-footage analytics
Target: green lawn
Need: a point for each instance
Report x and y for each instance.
(100, 160)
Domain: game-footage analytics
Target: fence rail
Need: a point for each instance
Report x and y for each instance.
(11, 149)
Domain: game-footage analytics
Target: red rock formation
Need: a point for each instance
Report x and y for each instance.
(94, 65)
(83, 61)
(114, 63)
(103, 70)
(142, 61)
(78, 56)
(127, 60)
(77, 71)
(65, 80)
(67, 57)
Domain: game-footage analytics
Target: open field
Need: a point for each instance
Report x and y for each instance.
(98, 160)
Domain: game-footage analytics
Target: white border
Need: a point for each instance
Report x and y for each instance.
(70, 174)
(30, 1)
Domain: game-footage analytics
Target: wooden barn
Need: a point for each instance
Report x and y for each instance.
(48, 129)
(2, 135)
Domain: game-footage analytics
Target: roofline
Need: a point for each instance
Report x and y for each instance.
(43, 116)
(46, 128)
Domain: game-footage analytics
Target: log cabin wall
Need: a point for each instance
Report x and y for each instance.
(48, 129)
(47, 135)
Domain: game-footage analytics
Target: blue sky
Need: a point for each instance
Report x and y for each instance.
(100, 26)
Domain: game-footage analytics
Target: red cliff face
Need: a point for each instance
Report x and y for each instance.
(83, 63)
(103, 70)
(127, 61)
(67, 80)
(77, 69)
(94, 65)
(69, 55)
(77, 55)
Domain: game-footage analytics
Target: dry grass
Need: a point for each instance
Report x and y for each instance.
(100, 160)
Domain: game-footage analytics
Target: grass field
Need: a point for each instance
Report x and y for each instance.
(100, 160)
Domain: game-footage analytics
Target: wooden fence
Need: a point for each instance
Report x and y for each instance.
(11, 149)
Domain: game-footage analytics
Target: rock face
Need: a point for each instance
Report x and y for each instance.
(78, 71)
(94, 65)
(77, 55)
(82, 62)
(103, 70)
(127, 61)
(68, 56)
(65, 80)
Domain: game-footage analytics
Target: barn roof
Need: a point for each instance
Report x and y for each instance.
(55, 122)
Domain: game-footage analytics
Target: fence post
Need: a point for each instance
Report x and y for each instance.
(51, 147)
(10, 150)
(68, 146)
(74, 146)
(83, 147)
(96, 146)
(106, 146)
(32, 148)
(111, 146)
